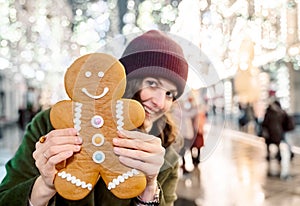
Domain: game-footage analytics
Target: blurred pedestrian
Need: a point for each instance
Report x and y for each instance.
(184, 113)
(273, 130)
(198, 123)
(246, 116)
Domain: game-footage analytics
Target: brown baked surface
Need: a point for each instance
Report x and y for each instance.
(95, 84)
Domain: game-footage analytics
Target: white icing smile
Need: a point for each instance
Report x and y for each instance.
(85, 91)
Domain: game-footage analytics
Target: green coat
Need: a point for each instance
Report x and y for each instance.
(21, 174)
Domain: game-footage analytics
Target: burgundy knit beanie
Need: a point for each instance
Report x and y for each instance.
(154, 54)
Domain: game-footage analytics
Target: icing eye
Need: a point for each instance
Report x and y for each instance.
(88, 74)
(101, 74)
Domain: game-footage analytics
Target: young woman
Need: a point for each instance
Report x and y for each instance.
(156, 73)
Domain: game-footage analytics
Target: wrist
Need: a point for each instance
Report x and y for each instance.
(150, 196)
(41, 193)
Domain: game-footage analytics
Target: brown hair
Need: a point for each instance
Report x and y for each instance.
(164, 128)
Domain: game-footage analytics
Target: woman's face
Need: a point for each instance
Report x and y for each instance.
(157, 96)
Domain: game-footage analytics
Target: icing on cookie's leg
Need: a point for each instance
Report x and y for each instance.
(122, 181)
(81, 174)
(82, 170)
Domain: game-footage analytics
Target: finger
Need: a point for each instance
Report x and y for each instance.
(54, 150)
(135, 135)
(40, 160)
(48, 170)
(43, 154)
(62, 132)
(138, 144)
(63, 140)
(148, 169)
(140, 155)
(54, 160)
(59, 140)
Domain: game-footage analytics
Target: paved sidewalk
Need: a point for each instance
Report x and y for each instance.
(237, 174)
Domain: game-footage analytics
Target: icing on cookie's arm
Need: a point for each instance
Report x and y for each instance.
(129, 114)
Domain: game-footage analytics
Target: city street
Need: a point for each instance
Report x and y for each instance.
(234, 174)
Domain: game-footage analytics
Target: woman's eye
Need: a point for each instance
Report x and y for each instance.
(151, 83)
(170, 95)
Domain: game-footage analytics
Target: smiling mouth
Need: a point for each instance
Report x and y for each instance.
(85, 91)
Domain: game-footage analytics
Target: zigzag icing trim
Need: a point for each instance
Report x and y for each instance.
(77, 116)
(121, 178)
(75, 181)
(119, 115)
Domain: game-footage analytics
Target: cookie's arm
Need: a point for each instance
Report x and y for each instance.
(61, 115)
(130, 112)
(60, 118)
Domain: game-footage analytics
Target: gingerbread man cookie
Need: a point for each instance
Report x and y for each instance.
(96, 83)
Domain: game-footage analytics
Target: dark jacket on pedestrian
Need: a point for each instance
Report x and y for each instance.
(272, 124)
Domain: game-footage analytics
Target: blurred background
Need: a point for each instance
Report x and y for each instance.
(253, 48)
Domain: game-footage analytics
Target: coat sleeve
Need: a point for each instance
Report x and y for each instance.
(168, 178)
(21, 171)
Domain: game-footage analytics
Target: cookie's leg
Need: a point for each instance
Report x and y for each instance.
(76, 177)
(122, 181)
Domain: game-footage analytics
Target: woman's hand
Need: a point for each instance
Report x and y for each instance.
(59, 145)
(139, 150)
(143, 152)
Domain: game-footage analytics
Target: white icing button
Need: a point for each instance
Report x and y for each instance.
(98, 157)
(98, 140)
(97, 121)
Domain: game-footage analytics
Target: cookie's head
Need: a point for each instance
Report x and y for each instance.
(95, 76)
